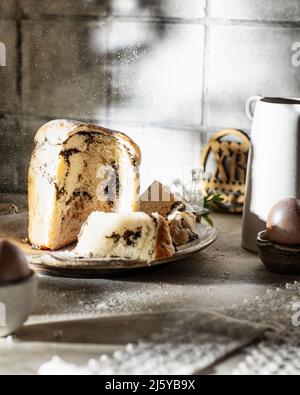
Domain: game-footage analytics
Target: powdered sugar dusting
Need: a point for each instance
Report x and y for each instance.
(190, 342)
(280, 352)
(197, 340)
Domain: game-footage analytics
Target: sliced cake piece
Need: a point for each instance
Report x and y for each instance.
(77, 168)
(134, 236)
(183, 227)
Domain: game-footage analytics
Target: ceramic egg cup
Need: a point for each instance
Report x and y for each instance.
(278, 258)
(16, 302)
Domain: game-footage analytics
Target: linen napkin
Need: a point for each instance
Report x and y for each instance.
(186, 343)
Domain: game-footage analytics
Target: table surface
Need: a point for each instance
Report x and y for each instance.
(220, 276)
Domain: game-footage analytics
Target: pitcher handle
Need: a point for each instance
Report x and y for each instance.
(250, 105)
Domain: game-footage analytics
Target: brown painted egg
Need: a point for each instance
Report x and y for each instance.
(13, 263)
(283, 223)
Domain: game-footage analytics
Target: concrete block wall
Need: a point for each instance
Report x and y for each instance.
(167, 72)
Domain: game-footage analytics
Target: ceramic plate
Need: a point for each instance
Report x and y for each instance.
(64, 263)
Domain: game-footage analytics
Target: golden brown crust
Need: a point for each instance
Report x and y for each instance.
(59, 131)
(164, 244)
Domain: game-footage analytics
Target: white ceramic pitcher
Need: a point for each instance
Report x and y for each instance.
(274, 161)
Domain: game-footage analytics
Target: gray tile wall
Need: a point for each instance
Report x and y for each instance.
(8, 8)
(178, 69)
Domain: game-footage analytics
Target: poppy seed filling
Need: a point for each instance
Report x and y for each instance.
(130, 237)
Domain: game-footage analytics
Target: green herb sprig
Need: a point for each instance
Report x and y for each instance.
(210, 200)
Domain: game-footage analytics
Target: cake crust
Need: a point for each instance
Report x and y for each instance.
(57, 132)
(164, 243)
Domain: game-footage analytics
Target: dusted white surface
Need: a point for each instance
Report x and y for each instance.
(221, 276)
